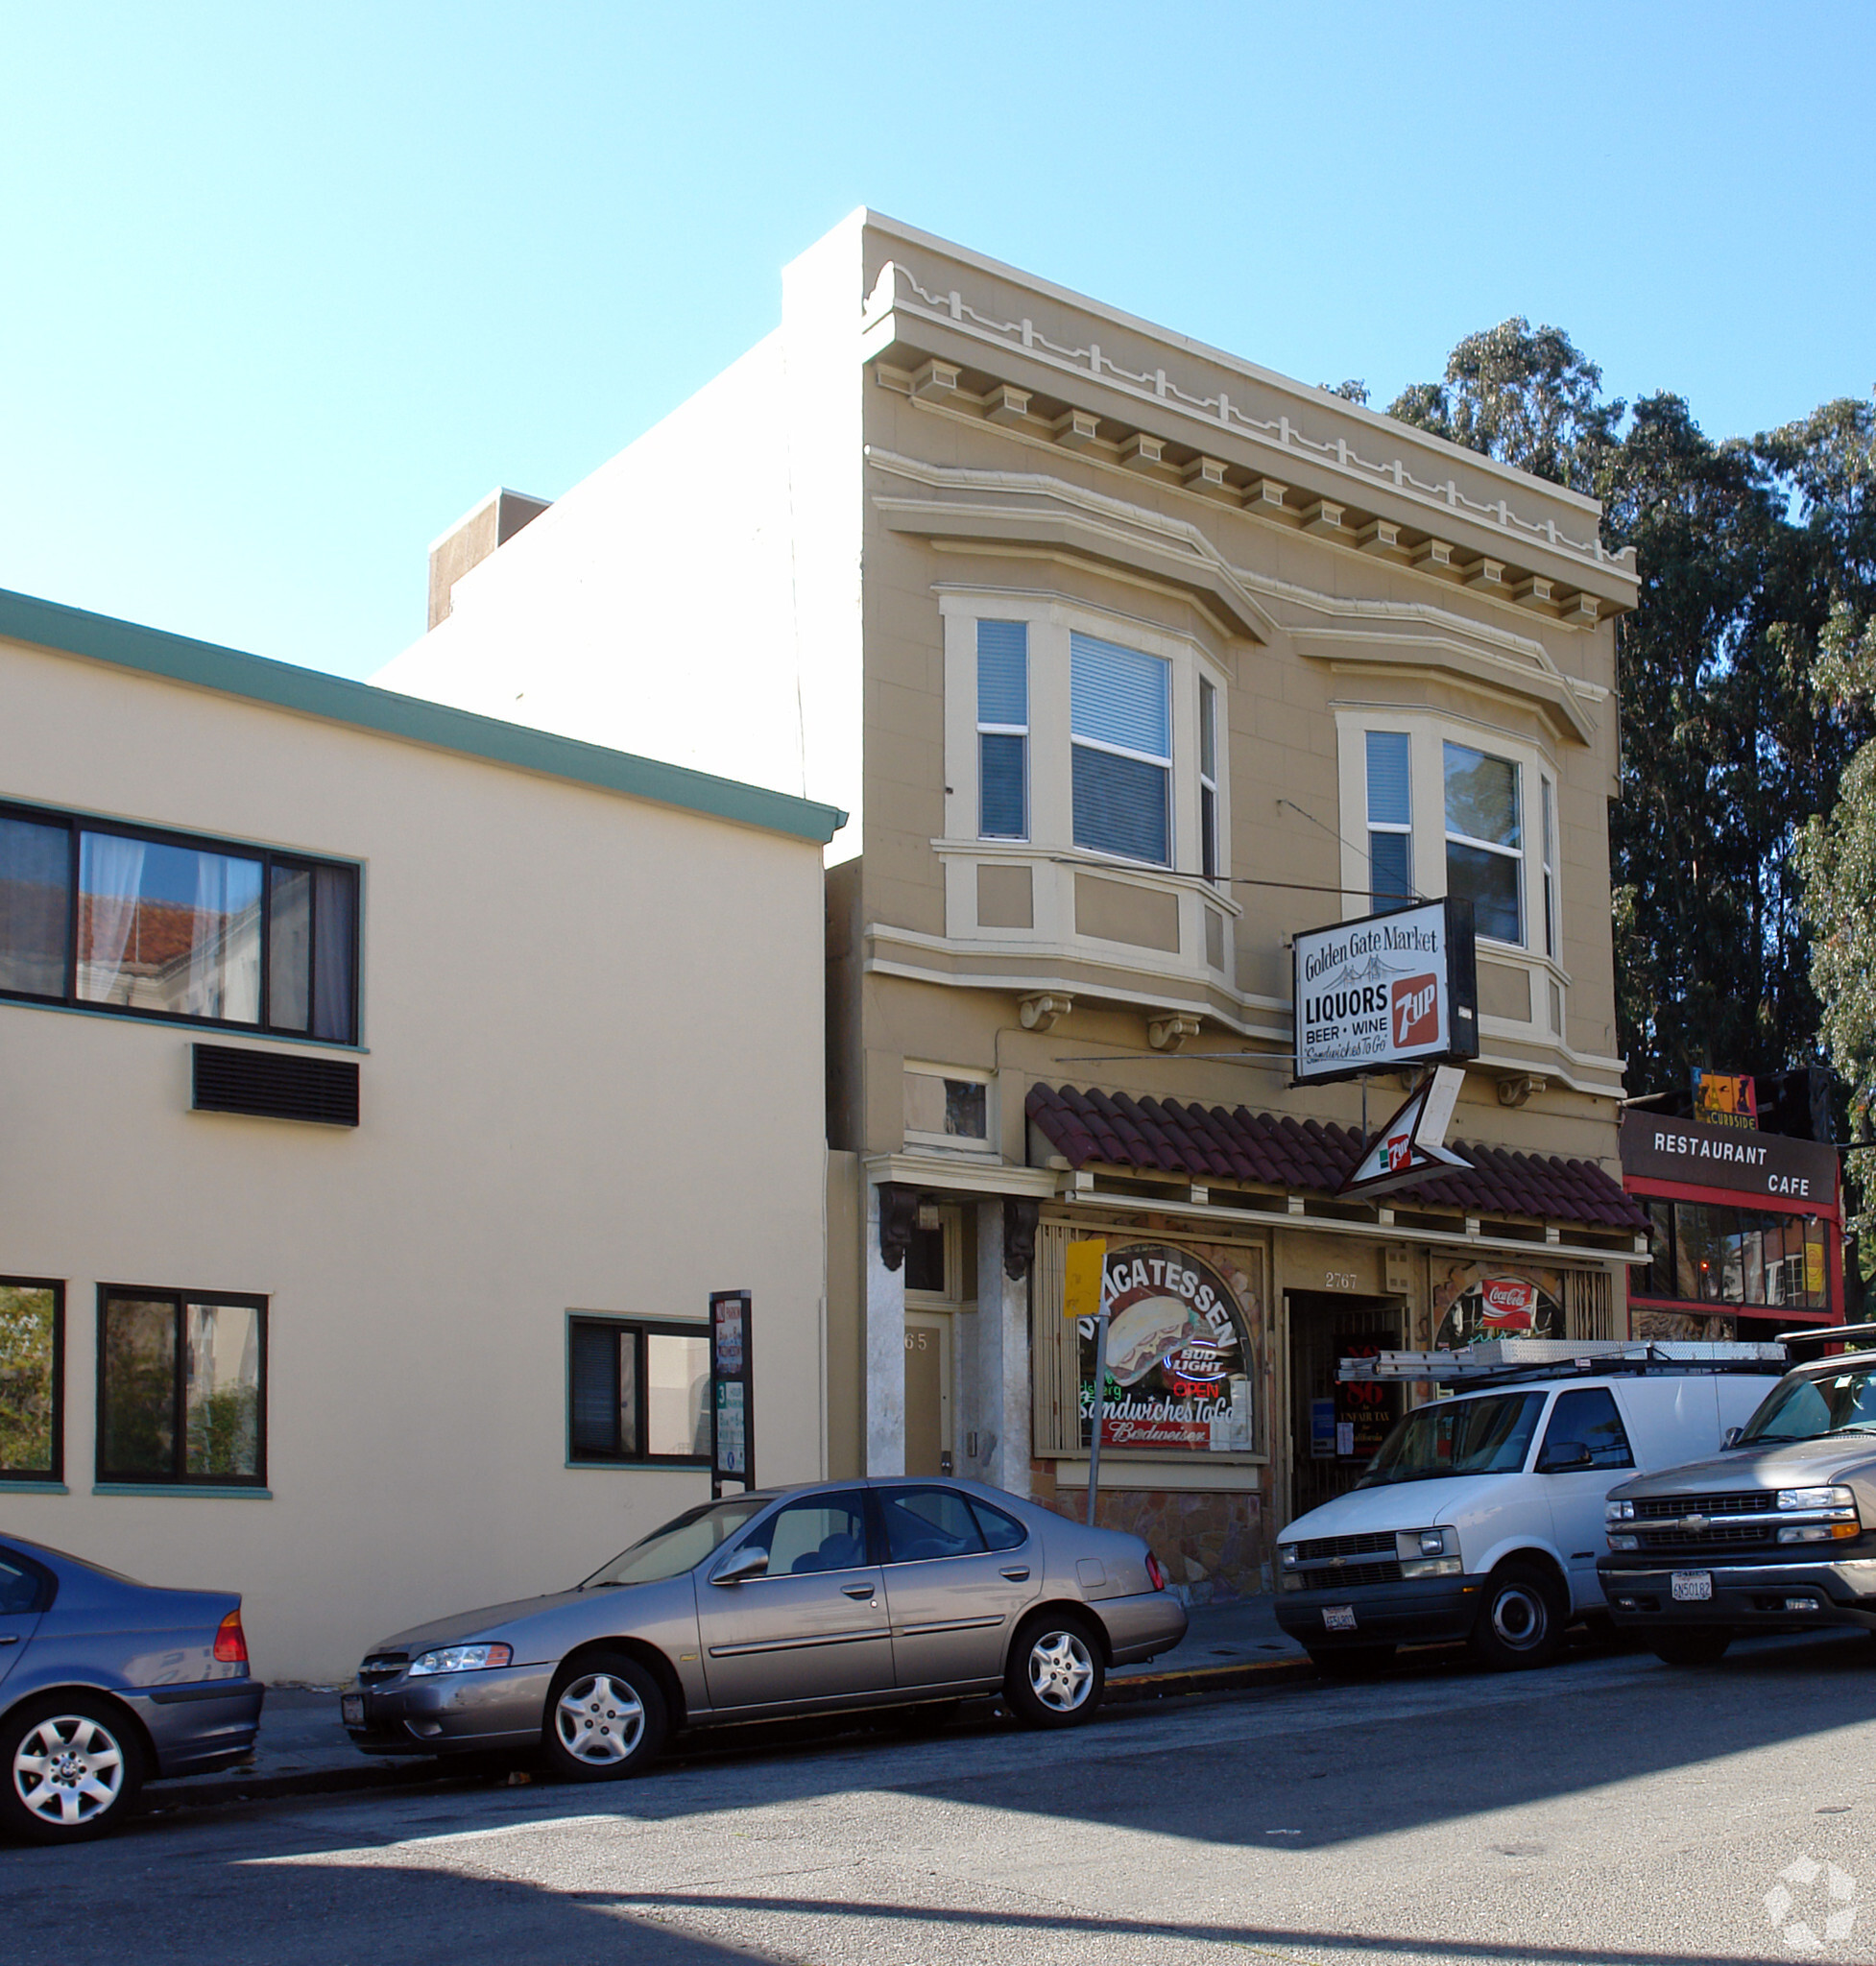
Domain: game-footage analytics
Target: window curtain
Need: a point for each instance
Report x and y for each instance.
(111, 876)
(224, 941)
(335, 916)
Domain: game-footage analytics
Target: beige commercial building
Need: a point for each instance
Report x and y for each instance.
(1131, 661)
(386, 1089)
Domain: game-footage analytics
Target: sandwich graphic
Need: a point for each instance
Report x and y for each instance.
(1144, 1332)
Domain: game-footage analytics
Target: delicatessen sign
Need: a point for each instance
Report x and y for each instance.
(1386, 991)
(1178, 1353)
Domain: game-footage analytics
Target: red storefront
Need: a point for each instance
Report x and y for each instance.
(1746, 1230)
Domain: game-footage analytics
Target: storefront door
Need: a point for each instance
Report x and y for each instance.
(928, 1392)
(1334, 1432)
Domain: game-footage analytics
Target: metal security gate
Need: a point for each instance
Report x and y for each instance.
(1322, 1326)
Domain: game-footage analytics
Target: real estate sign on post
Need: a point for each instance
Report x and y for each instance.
(1386, 991)
(732, 1392)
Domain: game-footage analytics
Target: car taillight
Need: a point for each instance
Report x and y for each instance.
(231, 1641)
(1155, 1571)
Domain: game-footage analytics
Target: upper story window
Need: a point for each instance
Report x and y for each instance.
(1550, 870)
(1391, 818)
(181, 1388)
(117, 918)
(1120, 723)
(1484, 839)
(1208, 781)
(1003, 729)
(1433, 805)
(946, 1106)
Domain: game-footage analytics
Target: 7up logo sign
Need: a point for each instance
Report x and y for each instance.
(1415, 1012)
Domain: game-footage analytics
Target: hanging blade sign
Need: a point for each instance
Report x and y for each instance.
(1409, 1147)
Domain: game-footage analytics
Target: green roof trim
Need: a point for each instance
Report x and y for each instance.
(313, 693)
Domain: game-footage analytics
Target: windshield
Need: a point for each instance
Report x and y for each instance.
(1809, 1407)
(682, 1545)
(1481, 1436)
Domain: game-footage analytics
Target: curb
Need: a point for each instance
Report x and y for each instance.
(1209, 1679)
(195, 1791)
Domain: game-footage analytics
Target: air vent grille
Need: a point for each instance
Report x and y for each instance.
(275, 1085)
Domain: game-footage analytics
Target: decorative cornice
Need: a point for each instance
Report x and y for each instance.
(1047, 511)
(899, 292)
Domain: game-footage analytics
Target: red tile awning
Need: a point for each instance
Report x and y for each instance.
(1170, 1136)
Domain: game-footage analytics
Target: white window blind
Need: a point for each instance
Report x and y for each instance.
(1003, 729)
(1121, 714)
(1390, 818)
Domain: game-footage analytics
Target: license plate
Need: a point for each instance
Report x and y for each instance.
(1338, 1617)
(1693, 1587)
(352, 1708)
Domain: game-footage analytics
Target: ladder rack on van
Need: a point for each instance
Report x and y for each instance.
(1503, 1358)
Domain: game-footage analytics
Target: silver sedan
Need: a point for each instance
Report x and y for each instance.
(809, 1601)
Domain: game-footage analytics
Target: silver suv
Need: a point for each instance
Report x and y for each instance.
(1776, 1532)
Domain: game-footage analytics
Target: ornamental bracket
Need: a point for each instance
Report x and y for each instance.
(1169, 1033)
(1518, 1089)
(1043, 1010)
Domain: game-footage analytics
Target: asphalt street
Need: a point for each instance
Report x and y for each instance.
(1611, 1810)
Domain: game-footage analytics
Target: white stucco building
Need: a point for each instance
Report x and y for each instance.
(386, 1089)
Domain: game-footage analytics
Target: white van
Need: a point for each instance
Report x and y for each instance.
(1481, 1517)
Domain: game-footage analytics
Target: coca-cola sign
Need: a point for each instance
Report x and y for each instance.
(1499, 1304)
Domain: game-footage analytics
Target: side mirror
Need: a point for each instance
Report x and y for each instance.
(745, 1562)
(1733, 1436)
(1566, 1456)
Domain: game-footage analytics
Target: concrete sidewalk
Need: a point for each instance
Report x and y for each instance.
(304, 1749)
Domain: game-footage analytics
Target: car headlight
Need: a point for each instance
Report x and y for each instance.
(1618, 1511)
(1432, 1543)
(460, 1659)
(1816, 1499)
(1618, 1541)
(1286, 1556)
(1430, 1566)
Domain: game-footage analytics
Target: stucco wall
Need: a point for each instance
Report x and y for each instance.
(591, 1078)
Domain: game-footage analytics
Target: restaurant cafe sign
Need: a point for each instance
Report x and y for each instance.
(1765, 1165)
(1389, 990)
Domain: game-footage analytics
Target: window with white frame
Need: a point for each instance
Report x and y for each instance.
(1389, 771)
(1484, 839)
(1433, 805)
(1549, 872)
(1121, 726)
(1003, 729)
(946, 1105)
(1208, 781)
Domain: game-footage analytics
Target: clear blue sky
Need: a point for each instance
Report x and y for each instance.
(283, 290)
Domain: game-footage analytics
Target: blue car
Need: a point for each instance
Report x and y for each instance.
(105, 1683)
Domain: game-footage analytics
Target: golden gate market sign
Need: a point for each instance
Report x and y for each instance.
(1388, 990)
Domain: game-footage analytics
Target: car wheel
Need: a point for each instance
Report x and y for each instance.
(1352, 1662)
(1520, 1622)
(1699, 1645)
(606, 1718)
(70, 1767)
(1056, 1674)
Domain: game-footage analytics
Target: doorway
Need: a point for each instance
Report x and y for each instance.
(929, 1392)
(1335, 1430)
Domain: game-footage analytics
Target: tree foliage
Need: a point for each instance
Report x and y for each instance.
(1745, 680)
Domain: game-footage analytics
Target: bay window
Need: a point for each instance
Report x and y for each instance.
(1390, 818)
(1003, 729)
(1208, 781)
(1121, 728)
(1484, 839)
(113, 917)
